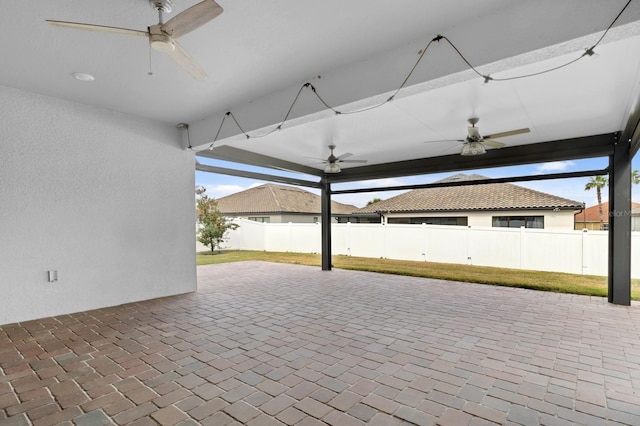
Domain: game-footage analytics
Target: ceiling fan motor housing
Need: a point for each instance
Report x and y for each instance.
(474, 134)
(159, 40)
(332, 158)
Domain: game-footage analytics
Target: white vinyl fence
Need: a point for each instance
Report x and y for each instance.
(570, 251)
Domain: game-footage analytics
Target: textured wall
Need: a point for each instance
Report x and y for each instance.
(104, 199)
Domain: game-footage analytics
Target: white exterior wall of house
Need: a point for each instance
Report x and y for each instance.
(300, 218)
(560, 220)
(104, 199)
(286, 218)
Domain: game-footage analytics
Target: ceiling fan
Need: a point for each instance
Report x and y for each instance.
(475, 143)
(162, 36)
(332, 162)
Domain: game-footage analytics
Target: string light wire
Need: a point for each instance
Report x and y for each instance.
(487, 78)
(588, 52)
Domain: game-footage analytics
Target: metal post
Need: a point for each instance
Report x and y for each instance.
(620, 224)
(325, 202)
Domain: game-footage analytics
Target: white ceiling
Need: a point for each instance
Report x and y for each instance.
(592, 97)
(254, 48)
(258, 53)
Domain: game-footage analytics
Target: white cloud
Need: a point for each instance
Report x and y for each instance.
(217, 191)
(555, 166)
(382, 182)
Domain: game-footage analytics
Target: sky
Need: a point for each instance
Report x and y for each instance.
(218, 186)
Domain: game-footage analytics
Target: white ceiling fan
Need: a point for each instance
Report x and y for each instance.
(475, 143)
(162, 36)
(332, 162)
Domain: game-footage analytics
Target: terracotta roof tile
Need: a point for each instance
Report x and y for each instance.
(276, 199)
(592, 213)
(494, 196)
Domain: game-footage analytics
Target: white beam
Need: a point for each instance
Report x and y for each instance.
(514, 36)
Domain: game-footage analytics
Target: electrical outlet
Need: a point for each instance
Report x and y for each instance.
(52, 276)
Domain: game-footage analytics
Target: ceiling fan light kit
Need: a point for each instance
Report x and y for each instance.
(160, 41)
(332, 168)
(473, 148)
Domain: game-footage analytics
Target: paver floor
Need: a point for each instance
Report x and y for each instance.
(269, 344)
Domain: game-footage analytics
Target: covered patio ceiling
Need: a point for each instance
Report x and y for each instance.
(593, 96)
(576, 111)
(356, 55)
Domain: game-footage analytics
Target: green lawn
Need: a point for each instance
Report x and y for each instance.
(590, 285)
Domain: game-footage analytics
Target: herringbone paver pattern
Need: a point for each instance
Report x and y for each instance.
(272, 344)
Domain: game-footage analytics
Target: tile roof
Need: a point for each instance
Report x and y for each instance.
(276, 199)
(493, 196)
(592, 213)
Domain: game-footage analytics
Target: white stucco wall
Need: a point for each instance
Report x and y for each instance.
(104, 199)
(293, 218)
(560, 220)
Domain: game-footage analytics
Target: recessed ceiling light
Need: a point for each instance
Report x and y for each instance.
(83, 76)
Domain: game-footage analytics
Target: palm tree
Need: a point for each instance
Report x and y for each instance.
(598, 182)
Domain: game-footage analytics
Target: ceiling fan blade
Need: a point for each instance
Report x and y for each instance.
(343, 156)
(454, 147)
(509, 133)
(445, 140)
(192, 18)
(100, 28)
(352, 161)
(183, 59)
(492, 143)
(316, 158)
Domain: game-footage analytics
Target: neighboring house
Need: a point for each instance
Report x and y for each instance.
(589, 218)
(271, 203)
(485, 205)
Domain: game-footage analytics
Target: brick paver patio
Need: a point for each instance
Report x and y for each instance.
(269, 344)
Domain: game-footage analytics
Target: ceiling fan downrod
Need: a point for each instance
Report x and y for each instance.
(162, 6)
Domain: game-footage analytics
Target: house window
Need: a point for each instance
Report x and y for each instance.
(518, 222)
(453, 220)
(262, 219)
